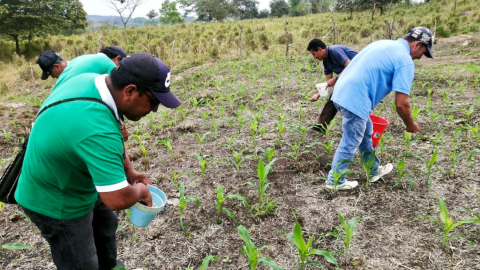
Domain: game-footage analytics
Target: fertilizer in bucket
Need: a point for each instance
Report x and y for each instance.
(379, 126)
(141, 215)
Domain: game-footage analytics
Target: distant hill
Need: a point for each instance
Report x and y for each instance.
(99, 21)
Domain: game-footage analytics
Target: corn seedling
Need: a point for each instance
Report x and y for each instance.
(238, 159)
(183, 202)
(407, 141)
(337, 176)
(469, 112)
(304, 250)
(446, 225)
(6, 135)
(470, 158)
(454, 156)
(215, 126)
(280, 126)
(429, 165)
(168, 145)
(429, 98)
(200, 140)
(367, 160)
(252, 253)
(300, 112)
(240, 198)
(202, 162)
(329, 130)
(205, 262)
(302, 131)
(473, 130)
(266, 206)
(401, 174)
(219, 204)
(415, 112)
(268, 154)
(347, 228)
(145, 159)
(176, 175)
(296, 153)
(436, 140)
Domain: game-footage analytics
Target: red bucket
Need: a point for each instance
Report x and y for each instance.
(379, 126)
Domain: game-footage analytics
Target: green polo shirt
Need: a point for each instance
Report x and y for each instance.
(75, 150)
(89, 63)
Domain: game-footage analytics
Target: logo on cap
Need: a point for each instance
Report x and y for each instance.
(167, 80)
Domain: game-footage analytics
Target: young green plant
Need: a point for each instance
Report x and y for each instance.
(347, 228)
(183, 202)
(446, 225)
(252, 253)
(219, 204)
(304, 250)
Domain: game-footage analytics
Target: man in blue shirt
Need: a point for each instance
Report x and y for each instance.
(335, 58)
(381, 67)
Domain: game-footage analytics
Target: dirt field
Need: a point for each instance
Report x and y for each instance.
(389, 234)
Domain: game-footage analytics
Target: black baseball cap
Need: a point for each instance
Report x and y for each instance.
(46, 61)
(424, 35)
(147, 71)
(118, 51)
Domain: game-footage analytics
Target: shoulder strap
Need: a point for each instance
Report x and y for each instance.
(74, 99)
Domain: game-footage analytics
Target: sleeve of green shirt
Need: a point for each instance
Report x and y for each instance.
(103, 156)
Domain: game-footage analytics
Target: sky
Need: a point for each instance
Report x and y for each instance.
(98, 7)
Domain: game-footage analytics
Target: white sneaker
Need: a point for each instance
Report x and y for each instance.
(345, 186)
(382, 170)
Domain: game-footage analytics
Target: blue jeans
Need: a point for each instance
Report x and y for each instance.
(85, 243)
(357, 133)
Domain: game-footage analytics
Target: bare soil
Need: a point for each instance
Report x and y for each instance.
(389, 234)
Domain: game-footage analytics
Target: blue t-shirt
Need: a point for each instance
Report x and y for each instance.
(381, 67)
(336, 57)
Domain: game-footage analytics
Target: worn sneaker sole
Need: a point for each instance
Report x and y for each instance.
(350, 185)
(386, 170)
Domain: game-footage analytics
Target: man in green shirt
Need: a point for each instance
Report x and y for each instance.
(53, 65)
(73, 174)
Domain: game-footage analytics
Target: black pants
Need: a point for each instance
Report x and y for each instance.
(86, 243)
(328, 113)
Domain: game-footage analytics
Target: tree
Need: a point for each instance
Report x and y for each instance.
(319, 6)
(300, 7)
(152, 14)
(246, 9)
(214, 10)
(264, 13)
(25, 19)
(169, 13)
(124, 8)
(279, 8)
(345, 6)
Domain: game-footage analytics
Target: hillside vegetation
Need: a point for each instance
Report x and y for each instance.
(193, 44)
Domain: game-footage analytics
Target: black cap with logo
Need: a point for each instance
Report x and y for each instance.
(146, 70)
(46, 61)
(424, 35)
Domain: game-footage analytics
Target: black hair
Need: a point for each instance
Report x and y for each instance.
(410, 39)
(315, 44)
(119, 82)
(109, 52)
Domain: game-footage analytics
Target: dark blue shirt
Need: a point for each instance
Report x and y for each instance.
(336, 57)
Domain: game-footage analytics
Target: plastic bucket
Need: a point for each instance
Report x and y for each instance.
(141, 215)
(379, 126)
(322, 89)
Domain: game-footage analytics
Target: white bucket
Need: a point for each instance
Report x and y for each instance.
(322, 89)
